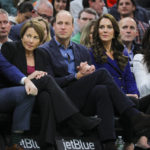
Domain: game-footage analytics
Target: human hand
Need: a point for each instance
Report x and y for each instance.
(133, 95)
(30, 87)
(84, 69)
(37, 74)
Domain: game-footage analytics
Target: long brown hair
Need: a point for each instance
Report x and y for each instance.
(116, 46)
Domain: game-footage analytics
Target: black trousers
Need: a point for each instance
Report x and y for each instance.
(98, 94)
(143, 105)
(54, 106)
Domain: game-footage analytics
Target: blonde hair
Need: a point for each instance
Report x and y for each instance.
(40, 19)
(85, 34)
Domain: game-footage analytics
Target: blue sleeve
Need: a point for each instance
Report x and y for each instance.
(9, 71)
(130, 81)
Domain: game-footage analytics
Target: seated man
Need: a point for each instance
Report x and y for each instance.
(128, 31)
(84, 17)
(16, 99)
(93, 92)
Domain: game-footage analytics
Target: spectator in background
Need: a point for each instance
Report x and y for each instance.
(75, 7)
(43, 9)
(128, 31)
(87, 34)
(24, 12)
(4, 27)
(84, 17)
(97, 5)
(128, 8)
(139, 13)
(141, 66)
(60, 5)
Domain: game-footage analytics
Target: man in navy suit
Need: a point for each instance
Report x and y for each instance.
(93, 92)
(17, 99)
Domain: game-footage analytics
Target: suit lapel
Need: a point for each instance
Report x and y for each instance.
(76, 56)
(57, 56)
(22, 63)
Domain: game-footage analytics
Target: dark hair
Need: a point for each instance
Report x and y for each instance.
(116, 45)
(133, 2)
(146, 48)
(36, 26)
(85, 3)
(67, 6)
(25, 7)
(87, 10)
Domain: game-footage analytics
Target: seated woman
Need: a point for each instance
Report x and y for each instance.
(107, 52)
(141, 66)
(55, 107)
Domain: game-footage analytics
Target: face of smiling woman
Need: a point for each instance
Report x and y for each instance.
(106, 31)
(30, 39)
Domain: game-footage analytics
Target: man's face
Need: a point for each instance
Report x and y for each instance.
(63, 26)
(45, 12)
(84, 19)
(97, 6)
(24, 16)
(4, 26)
(126, 8)
(128, 29)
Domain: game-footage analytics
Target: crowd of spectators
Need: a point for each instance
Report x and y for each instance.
(65, 44)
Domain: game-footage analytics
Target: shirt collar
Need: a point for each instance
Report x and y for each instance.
(132, 48)
(59, 45)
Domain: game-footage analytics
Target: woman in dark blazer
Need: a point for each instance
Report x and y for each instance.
(54, 105)
(107, 52)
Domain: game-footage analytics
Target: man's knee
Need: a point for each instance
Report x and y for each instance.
(22, 97)
(99, 89)
(103, 72)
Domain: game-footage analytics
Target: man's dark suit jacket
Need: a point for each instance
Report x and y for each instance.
(59, 67)
(15, 54)
(9, 74)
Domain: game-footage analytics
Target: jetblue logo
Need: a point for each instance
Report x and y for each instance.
(29, 144)
(77, 144)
